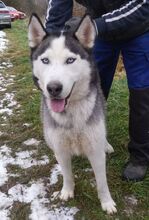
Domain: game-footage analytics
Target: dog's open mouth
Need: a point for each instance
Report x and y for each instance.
(59, 105)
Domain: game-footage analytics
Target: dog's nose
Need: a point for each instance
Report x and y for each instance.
(54, 88)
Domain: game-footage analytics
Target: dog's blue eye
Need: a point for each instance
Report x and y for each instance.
(70, 60)
(45, 60)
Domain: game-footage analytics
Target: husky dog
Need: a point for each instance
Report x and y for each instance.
(73, 107)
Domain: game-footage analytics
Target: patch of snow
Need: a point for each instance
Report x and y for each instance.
(33, 193)
(35, 89)
(7, 103)
(5, 201)
(3, 125)
(2, 89)
(3, 41)
(22, 193)
(5, 65)
(41, 212)
(13, 175)
(27, 125)
(25, 154)
(55, 195)
(2, 34)
(55, 172)
(3, 174)
(93, 183)
(31, 141)
(131, 200)
(88, 170)
(4, 118)
(23, 159)
(40, 205)
(4, 214)
(1, 133)
(5, 81)
(5, 159)
(6, 110)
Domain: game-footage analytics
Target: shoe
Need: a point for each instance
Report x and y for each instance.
(134, 172)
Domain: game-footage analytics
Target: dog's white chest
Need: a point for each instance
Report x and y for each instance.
(76, 143)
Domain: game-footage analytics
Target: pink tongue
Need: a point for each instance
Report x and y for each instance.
(58, 105)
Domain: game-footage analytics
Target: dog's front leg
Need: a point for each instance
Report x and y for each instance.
(98, 162)
(64, 160)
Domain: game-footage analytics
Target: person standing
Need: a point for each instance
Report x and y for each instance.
(122, 26)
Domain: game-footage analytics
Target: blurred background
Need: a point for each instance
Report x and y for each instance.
(38, 6)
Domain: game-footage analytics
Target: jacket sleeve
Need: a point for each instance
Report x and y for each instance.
(123, 21)
(58, 12)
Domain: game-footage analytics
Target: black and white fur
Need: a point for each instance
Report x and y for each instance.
(73, 107)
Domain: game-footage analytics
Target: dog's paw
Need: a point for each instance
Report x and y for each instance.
(109, 148)
(109, 207)
(66, 194)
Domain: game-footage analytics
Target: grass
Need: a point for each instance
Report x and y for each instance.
(117, 124)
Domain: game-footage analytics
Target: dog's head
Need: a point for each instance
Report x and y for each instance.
(61, 62)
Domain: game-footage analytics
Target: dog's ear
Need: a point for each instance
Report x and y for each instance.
(86, 32)
(36, 31)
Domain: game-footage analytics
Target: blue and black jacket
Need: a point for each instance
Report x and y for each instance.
(114, 19)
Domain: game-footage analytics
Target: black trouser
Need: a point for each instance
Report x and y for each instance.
(139, 125)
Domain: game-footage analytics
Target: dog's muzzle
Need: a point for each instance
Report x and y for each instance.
(57, 103)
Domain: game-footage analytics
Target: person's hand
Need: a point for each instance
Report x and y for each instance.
(72, 24)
